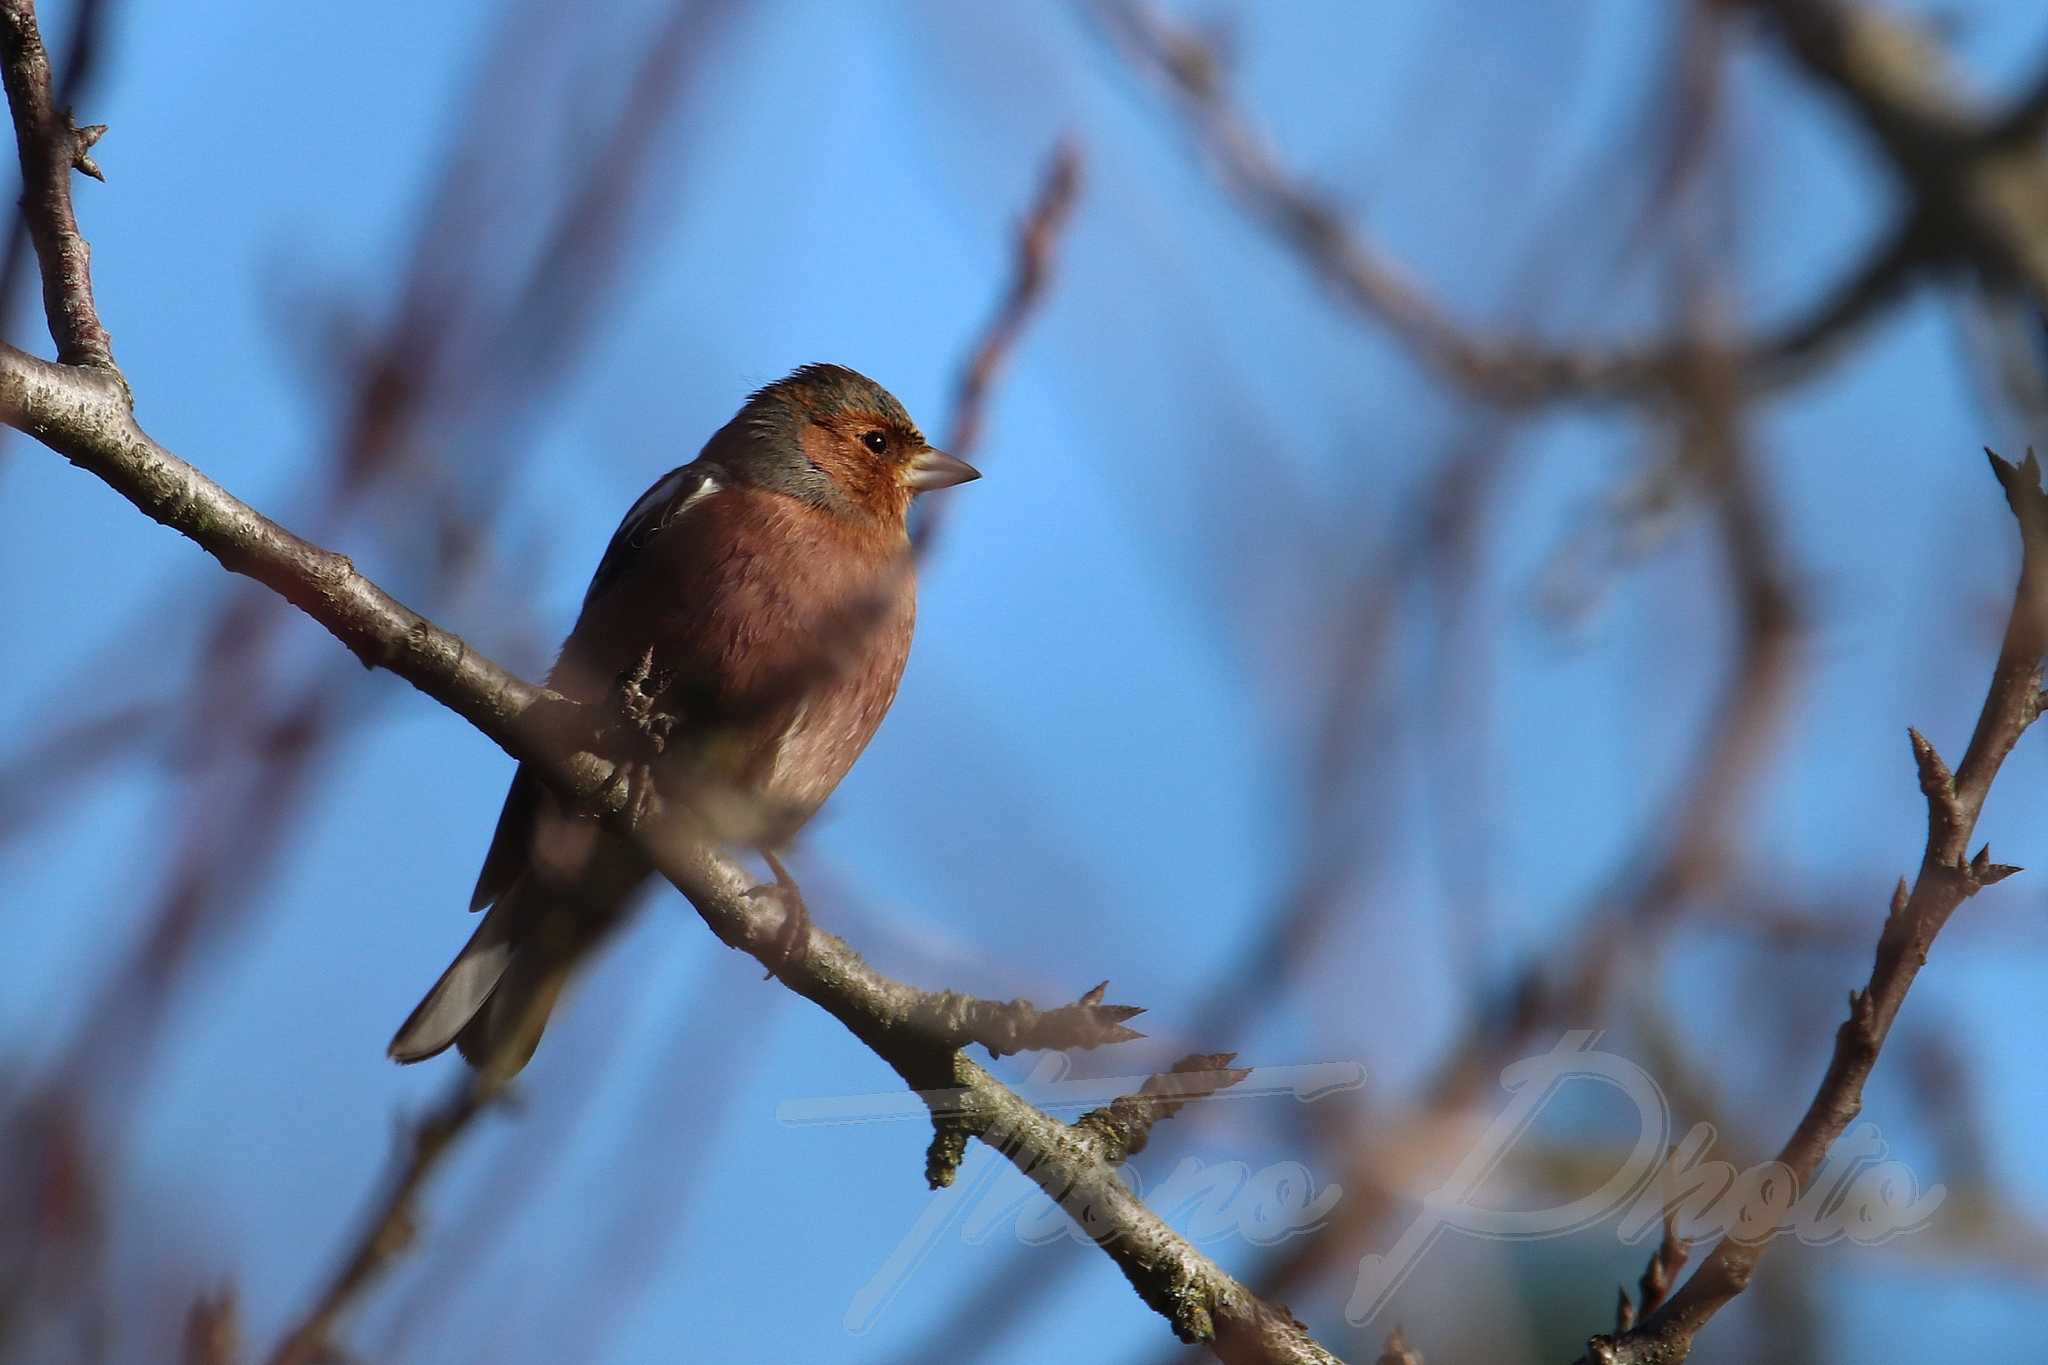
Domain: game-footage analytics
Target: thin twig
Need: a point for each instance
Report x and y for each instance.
(82, 46)
(51, 148)
(1658, 1273)
(1031, 269)
(1009, 1026)
(1948, 876)
(1366, 280)
(1036, 236)
(393, 1221)
(1124, 1125)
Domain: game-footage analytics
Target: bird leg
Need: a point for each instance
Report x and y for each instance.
(641, 732)
(795, 935)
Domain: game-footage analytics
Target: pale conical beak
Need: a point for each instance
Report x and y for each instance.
(936, 469)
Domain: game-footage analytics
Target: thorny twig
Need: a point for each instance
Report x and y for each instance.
(51, 146)
(1948, 876)
(1005, 1027)
(1658, 1275)
(82, 46)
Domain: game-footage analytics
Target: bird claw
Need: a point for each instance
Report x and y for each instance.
(636, 776)
(644, 730)
(795, 936)
(639, 689)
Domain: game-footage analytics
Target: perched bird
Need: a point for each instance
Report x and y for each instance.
(759, 601)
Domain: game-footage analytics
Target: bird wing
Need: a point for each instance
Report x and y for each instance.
(673, 494)
(511, 844)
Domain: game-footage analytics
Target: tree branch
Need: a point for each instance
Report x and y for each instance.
(391, 1227)
(83, 44)
(2026, 118)
(1029, 273)
(1124, 1125)
(1041, 229)
(81, 409)
(1948, 876)
(51, 147)
(1508, 371)
(1977, 185)
(956, 1020)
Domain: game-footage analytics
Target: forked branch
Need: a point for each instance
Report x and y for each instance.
(1949, 875)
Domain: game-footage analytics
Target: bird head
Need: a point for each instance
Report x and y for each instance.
(839, 440)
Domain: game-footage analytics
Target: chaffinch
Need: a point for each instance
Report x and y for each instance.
(760, 600)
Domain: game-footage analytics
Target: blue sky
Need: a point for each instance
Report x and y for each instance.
(1086, 774)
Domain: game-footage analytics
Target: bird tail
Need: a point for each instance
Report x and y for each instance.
(466, 987)
(501, 1035)
(494, 1000)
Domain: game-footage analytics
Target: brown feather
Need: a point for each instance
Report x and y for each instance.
(786, 629)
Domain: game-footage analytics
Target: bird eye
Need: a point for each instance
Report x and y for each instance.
(875, 441)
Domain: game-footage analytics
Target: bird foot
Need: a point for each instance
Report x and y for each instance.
(795, 935)
(639, 688)
(641, 731)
